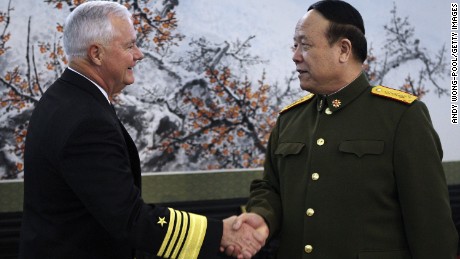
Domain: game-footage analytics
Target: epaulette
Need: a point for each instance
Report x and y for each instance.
(394, 94)
(301, 100)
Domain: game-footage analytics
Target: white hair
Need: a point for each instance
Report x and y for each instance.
(90, 23)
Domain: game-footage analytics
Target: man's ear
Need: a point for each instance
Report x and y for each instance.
(96, 54)
(345, 50)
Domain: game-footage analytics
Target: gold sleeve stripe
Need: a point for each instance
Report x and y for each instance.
(197, 231)
(175, 236)
(171, 225)
(184, 230)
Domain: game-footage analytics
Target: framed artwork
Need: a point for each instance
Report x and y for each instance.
(216, 74)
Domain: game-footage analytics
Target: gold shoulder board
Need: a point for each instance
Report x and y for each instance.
(301, 100)
(394, 94)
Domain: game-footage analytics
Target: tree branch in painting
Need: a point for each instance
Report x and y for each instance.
(198, 109)
(402, 48)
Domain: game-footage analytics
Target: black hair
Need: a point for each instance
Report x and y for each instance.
(346, 22)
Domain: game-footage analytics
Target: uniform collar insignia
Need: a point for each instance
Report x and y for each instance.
(347, 94)
(336, 103)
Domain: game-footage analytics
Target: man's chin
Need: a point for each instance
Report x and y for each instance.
(305, 87)
(310, 86)
(129, 82)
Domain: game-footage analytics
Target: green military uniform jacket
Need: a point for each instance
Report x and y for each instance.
(356, 174)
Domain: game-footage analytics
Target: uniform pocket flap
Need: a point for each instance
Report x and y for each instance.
(362, 147)
(399, 254)
(285, 149)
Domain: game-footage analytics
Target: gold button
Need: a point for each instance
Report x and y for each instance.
(310, 212)
(328, 111)
(320, 142)
(315, 176)
(308, 249)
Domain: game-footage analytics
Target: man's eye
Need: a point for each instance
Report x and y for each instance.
(306, 45)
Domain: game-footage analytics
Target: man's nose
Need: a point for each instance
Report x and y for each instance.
(296, 56)
(139, 55)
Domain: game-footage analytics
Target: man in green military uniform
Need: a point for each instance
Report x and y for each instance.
(352, 171)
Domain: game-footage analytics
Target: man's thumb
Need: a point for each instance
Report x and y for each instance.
(237, 223)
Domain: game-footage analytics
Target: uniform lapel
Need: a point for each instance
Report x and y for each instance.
(133, 156)
(84, 84)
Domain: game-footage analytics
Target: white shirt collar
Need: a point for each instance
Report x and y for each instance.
(100, 88)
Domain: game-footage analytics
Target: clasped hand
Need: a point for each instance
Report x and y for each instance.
(244, 236)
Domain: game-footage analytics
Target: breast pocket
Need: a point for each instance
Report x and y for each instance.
(287, 149)
(362, 147)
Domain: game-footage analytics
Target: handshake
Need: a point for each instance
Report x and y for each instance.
(244, 236)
